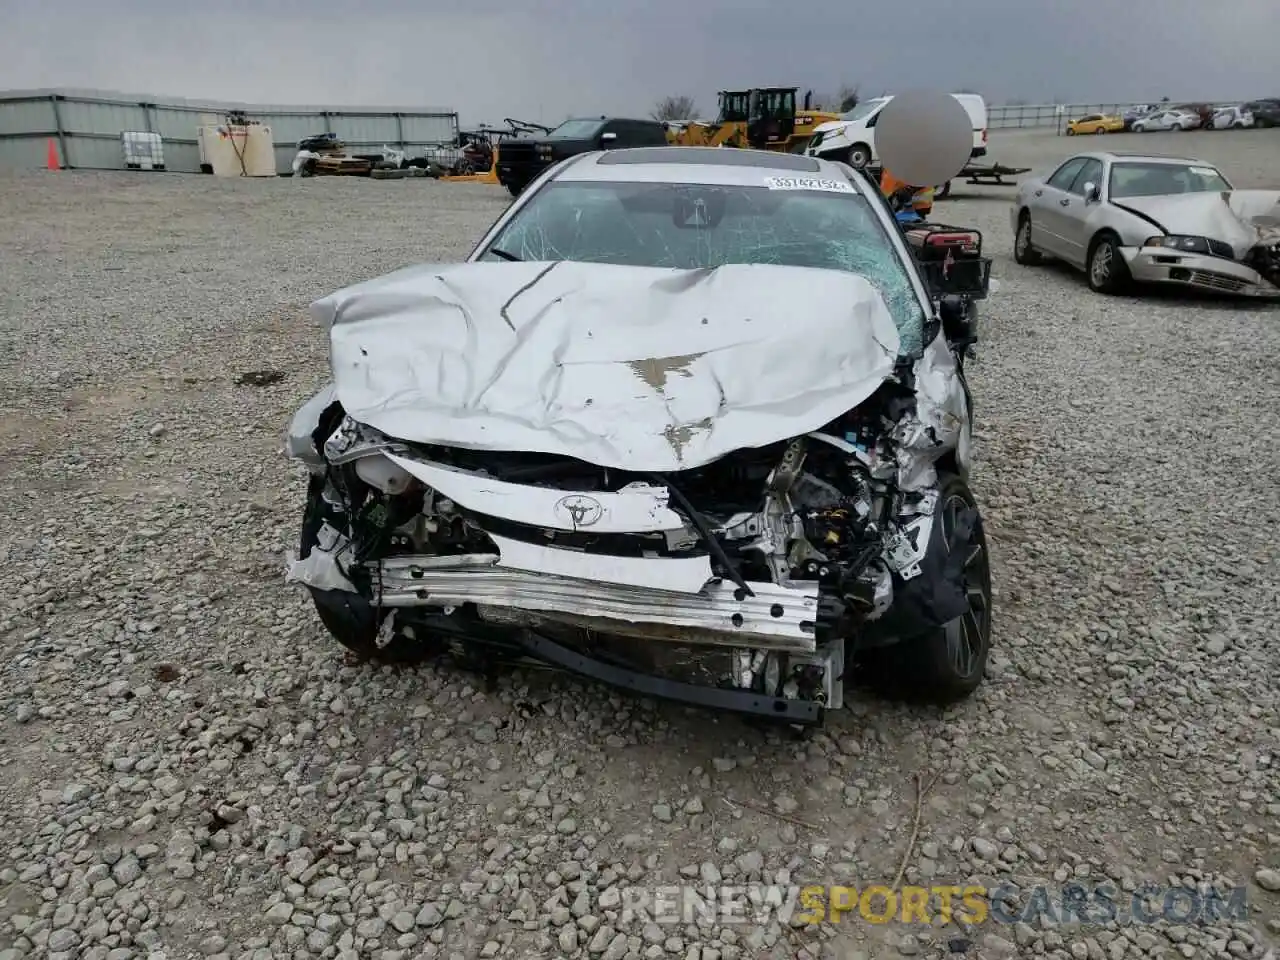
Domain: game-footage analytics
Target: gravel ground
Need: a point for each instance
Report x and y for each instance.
(192, 768)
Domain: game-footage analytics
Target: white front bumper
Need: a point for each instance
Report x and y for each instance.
(1164, 265)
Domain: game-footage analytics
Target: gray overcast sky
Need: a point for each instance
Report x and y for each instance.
(545, 59)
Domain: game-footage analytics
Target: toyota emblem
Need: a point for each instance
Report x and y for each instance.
(579, 510)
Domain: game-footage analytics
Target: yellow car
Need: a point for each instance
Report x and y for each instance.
(1096, 123)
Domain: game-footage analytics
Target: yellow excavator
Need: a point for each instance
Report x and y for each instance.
(764, 118)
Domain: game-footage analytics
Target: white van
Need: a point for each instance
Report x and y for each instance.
(852, 138)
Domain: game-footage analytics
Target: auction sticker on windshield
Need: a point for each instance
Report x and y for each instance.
(808, 183)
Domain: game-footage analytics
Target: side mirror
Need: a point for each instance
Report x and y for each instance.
(1091, 192)
(607, 138)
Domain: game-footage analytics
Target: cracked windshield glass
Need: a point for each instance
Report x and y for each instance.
(688, 227)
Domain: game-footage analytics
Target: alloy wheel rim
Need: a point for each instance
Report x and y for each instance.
(1101, 266)
(967, 637)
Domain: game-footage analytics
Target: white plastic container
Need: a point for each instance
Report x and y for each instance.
(142, 151)
(236, 150)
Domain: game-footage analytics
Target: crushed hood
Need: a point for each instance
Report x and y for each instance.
(1242, 218)
(640, 368)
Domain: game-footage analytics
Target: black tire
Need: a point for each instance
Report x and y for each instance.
(1071, 131)
(1023, 252)
(514, 189)
(1105, 267)
(859, 156)
(947, 664)
(348, 617)
(1100, 130)
(943, 191)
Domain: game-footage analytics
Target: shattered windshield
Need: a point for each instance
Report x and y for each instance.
(1163, 179)
(576, 130)
(689, 226)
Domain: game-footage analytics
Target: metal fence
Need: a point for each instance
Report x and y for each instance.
(86, 126)
(1014, 115)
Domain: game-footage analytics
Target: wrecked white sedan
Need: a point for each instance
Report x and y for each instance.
(688, 421)
(1127, 219)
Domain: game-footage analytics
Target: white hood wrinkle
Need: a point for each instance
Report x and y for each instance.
(638, 368)
(1242, 218)
(831, 126)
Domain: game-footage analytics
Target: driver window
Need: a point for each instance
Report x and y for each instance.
(1091, 170)
(1065, 174)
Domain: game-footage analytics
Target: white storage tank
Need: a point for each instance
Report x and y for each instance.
(237, 148)
(142, 151)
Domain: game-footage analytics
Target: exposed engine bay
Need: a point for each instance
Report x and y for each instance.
(1265, 258)
(782, 558)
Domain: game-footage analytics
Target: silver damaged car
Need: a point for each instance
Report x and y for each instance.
(1131, 219)
(690, 422)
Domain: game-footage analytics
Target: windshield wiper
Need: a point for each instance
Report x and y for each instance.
(504, 255)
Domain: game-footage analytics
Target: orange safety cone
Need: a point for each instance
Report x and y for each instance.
(52, 155)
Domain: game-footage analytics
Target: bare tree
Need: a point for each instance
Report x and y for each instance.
(677, 109)
(847, 97)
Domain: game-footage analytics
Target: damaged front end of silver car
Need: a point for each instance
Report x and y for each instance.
(757, 581)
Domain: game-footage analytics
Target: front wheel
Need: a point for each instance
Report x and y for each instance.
(1108, 272)
(859, 156)
(946, 664)
(1023, 252)
(514, 189)
(349, 617)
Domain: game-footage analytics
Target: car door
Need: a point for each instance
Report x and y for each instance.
(620, 131)
(1074, 209)
(650, 135)
(631, 133)
(1046, 205)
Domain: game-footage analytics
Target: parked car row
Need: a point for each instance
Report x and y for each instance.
(1147, 118)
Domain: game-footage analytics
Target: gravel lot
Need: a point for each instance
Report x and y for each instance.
(190, 767)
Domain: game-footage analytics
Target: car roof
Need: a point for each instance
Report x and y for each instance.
(724, 165)
(602, 118)
(1119, 157)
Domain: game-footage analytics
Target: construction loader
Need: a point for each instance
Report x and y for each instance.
(764, 118)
